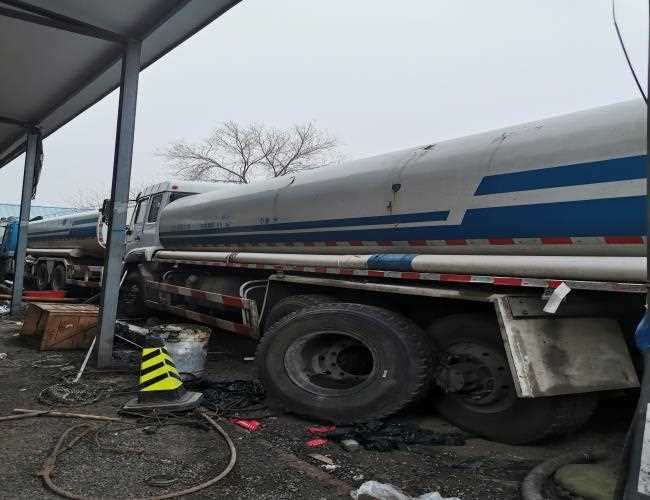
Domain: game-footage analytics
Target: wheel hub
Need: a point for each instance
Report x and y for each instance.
(476, 374)
(329, 361)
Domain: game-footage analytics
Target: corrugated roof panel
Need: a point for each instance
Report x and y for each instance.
(52, 75)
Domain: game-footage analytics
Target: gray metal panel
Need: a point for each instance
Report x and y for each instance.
(50, 76)
(555, 356)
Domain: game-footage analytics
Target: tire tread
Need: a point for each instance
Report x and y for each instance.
(410, 331)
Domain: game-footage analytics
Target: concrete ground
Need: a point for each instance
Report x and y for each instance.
(273, 462)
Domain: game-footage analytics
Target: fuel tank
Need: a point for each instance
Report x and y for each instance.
(76, 232)
(572, 185)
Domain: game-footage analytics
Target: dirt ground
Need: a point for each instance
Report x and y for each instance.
(272, 463)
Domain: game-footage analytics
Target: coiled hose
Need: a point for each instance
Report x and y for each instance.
(533, 485)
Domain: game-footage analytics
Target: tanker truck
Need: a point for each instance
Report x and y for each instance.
(495, 277)
(68, 251)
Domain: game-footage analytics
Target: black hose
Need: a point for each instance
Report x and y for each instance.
(532, 487)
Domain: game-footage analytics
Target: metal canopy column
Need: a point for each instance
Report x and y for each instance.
(25, 206)
(120, 199)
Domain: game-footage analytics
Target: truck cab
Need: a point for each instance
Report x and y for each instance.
(8, 242)
(143, 227)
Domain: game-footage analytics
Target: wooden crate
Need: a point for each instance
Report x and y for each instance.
(61, 326)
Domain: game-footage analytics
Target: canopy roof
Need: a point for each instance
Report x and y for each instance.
(59, 58)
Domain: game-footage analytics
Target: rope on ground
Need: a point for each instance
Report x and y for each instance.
(51, 361)
(49, 466)
(71, 393)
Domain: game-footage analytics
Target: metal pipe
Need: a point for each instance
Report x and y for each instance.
(56, 252)
(619, 269)
(598, 268)
(25, 206)
(120, 199)
(290, 259)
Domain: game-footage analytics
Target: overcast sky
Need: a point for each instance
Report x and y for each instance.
(377, 77)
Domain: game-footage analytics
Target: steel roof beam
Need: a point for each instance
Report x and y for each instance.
(44, 17)
(13, 121)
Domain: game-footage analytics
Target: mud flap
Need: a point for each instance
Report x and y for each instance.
(551, 356)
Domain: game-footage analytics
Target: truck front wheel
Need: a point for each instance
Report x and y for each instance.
(132, 304)
(478, 393)
(343, 363)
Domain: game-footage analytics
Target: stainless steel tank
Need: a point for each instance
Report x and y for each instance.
(77, 232)
(572, 185)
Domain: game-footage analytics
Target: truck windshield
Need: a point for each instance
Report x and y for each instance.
(177, 196)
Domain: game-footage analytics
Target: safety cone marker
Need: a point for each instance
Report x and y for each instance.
(161, 386)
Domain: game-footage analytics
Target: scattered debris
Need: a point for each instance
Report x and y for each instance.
(316, 442)
(314, 429)
(236, 398)
(4, 309)
(358, 477)
(322, 458)
(380, 436)
(3, 356)
(249, 425)
(350, 445)
(374, 490)
(330, 467)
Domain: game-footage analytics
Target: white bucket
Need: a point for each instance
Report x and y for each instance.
(188, 346)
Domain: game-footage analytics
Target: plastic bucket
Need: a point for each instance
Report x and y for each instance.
(188, 346)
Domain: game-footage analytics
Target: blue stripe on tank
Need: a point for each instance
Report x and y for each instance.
(82, 232)
(329, 223)
(391, 262)
(610, 216)
(616, 169)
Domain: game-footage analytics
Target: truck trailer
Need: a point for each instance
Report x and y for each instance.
(68, 251)
(497, 276)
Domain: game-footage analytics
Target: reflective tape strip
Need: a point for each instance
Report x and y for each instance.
(408, 275)
(227, 300)
(158, 371)
(163, 382)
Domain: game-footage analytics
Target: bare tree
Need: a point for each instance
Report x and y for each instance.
(237, 154)
(92, 197)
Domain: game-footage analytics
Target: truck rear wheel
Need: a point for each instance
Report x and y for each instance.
(42, 276)
(343, 363)
(478, 393)
(58, 277)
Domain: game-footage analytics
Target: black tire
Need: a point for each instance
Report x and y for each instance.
(42, 277)
(131, 303)
(58, 277)
(507, 418)
(381, 363)
(295, 303)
